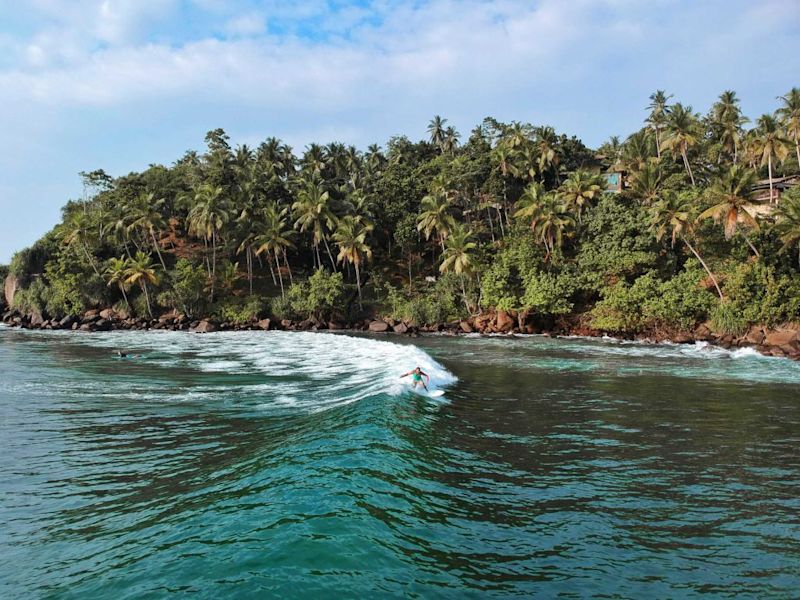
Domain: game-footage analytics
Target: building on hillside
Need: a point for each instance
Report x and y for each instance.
(779, 185)
(615, 181)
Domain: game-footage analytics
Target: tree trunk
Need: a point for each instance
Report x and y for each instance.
(688, 166)
(328, 250)
(749, 243)
(358, 285)
(147, 298)
(272, 271)
(213, 263)
(491, 224)
(90, 259)
(705, 266)
(797, 150)
(769, 167)
(125, 297)
(464, 293)
(278, 266)
(288, 268)
(158, 251)
(250, 269)
(658, 143)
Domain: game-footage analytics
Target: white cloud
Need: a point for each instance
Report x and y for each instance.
(250, 24)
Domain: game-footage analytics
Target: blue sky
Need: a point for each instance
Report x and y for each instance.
(120, 84)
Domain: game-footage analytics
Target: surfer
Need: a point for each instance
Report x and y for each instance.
(416, 377)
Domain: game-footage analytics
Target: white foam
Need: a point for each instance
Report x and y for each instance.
(301, 370)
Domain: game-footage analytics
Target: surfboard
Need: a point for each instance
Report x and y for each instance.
(428, 394)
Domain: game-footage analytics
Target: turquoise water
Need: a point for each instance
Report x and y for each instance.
(297, 465)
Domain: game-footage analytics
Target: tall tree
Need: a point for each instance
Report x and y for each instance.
(726, 123)
(117, 274)
(579, 191)
(681, 133)
(437, 131)
(274, 238)
(351, 237)
(789, 114)
(658, 115)
(435, 216)
(731, 194)
(209, 215)
(771, 146)
(142, 271)
(314, 212)
(457, 256)
(787, 224)
(673, 215)
(147, 217)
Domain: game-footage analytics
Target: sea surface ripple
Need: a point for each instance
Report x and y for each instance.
(299, 465)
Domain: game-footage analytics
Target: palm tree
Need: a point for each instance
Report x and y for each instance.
(503, 156)
(147, 218)
(727, 121)
(435, 216)
(313, 207)
(79, 230)
(658, 115)
(787, 224)
(682, 132)
(637, 151)
(549, 218)
(142, 271)
(351, 235)
(731, 193)
(673, 215)
(457, 256)
(529, 205)
(207, 217)
(646, 184)
(117, 273)
(274, 238)
(579, 190)
(770, 145)
(546, 144)
(790, 117)
(450, 141)
(437, 130)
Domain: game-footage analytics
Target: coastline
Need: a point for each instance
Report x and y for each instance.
(783, 342)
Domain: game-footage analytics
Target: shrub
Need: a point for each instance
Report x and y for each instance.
(241, 310)
(649, 303)
(186, 289)
(318, 297)
(436, 303)
(548, 294)
(755, 293)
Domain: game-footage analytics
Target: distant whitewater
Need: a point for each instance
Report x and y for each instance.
(304, 371)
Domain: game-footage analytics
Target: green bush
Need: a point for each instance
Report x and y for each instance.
(755, 293)
(318, 297)
(618, 243)
(437, 303)
(241, 310)
(650, 303)
(186, 289)
(548, 294)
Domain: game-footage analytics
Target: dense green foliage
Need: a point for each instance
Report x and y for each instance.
(515, 218)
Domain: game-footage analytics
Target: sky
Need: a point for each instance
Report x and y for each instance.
(121, 84)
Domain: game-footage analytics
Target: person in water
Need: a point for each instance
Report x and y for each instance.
(416, 377)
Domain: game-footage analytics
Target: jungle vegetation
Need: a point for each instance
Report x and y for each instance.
(511, 217)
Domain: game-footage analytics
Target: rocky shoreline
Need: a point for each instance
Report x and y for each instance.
(781, 342)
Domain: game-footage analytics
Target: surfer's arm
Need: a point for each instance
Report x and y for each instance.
(406, 374)
(426, 375)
